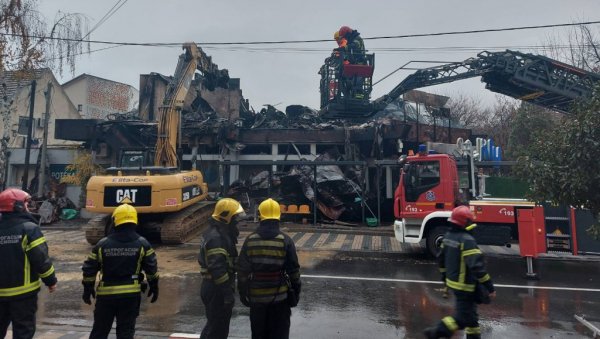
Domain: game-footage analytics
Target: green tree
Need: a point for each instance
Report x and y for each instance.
(562, 164)
(530, 123)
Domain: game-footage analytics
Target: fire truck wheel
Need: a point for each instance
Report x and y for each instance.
(434, 239)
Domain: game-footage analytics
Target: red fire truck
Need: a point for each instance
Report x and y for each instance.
(428, 191)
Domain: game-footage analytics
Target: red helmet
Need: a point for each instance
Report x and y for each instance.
(461, 216)
(344, 30)
(14, 200)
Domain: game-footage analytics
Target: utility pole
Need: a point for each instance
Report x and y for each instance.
(42, 176)
(29, 136)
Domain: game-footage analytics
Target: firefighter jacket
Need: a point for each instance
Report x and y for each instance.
(120, 258)
(267, 260)
(355, 48)
(24, 257)
(461, 262)
(218, 255)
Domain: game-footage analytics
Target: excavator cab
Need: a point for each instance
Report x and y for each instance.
(346, 87)
(136, 157)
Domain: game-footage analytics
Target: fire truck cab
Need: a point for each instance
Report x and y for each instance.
(427, 192)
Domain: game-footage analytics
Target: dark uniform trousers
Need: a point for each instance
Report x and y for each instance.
(21, 312)
(125, 309)
(217, 315)
(270, 321)
(465, 317)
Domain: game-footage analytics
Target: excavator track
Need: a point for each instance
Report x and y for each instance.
(176, 228)
(179, 227)
(95, 229)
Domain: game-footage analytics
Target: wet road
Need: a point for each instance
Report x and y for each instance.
(349, 295)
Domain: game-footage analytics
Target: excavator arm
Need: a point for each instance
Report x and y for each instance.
(191, 60)
(528, 77)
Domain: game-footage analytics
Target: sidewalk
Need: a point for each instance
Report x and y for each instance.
(83, 332)
(378, 240)
(363, 241)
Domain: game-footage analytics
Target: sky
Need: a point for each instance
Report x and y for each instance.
(287, 74)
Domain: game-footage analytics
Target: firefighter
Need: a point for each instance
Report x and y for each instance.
(462, 267)
(354, 53)
(355, 46)
(341, 42)
(217, 257)
(269, 275)
(24, 260)
(120, 258)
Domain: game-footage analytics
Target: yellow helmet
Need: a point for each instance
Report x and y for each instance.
(124, 214)
(336, 35)
(269, 209)
(226, 209)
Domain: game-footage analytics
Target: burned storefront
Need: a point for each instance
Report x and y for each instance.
(251, 155)
(318, 167)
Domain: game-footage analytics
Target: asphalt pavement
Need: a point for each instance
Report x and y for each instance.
(358, 283)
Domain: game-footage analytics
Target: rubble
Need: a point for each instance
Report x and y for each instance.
(338, 197)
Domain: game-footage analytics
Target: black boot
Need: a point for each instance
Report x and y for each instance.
(431, 333)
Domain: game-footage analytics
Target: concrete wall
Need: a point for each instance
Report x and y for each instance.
(77, 92)
(226, 102)
(153, 87)
(152, 93)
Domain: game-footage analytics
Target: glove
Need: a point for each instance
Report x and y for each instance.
(228, 298)
(153, 291)
(88, 293)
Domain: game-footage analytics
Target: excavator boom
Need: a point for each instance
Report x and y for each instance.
(169, 120)
(169, 201)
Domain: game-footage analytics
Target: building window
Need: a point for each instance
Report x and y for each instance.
(23, 128)
(79, 108)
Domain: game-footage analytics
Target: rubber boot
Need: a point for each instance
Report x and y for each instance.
(430, 333)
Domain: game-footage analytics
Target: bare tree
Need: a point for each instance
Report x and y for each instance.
(28, 42)
(500, 118)
(467, 110)
(579, 46)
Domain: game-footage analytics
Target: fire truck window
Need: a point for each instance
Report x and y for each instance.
(421, 177)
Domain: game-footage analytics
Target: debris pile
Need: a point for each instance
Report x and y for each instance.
(338, 197)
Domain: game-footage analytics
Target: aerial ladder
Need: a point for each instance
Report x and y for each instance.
(532, 78)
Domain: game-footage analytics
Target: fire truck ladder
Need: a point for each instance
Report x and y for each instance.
(528, 77)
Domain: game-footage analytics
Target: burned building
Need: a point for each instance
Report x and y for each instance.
(341, 167)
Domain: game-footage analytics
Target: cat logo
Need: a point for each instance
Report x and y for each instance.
(126, 201)
(126, 196)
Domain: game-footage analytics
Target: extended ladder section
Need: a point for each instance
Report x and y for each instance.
(532, 78)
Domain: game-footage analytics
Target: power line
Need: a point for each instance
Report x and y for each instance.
(106, 16)
(168, 44)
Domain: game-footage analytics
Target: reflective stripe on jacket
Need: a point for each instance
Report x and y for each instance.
(262, 264)
(217, 256)
(461, 262)
(120, 258)
(24, 254)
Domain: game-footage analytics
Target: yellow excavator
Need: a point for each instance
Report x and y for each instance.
(168, 200)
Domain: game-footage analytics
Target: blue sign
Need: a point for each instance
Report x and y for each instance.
(58, 171)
